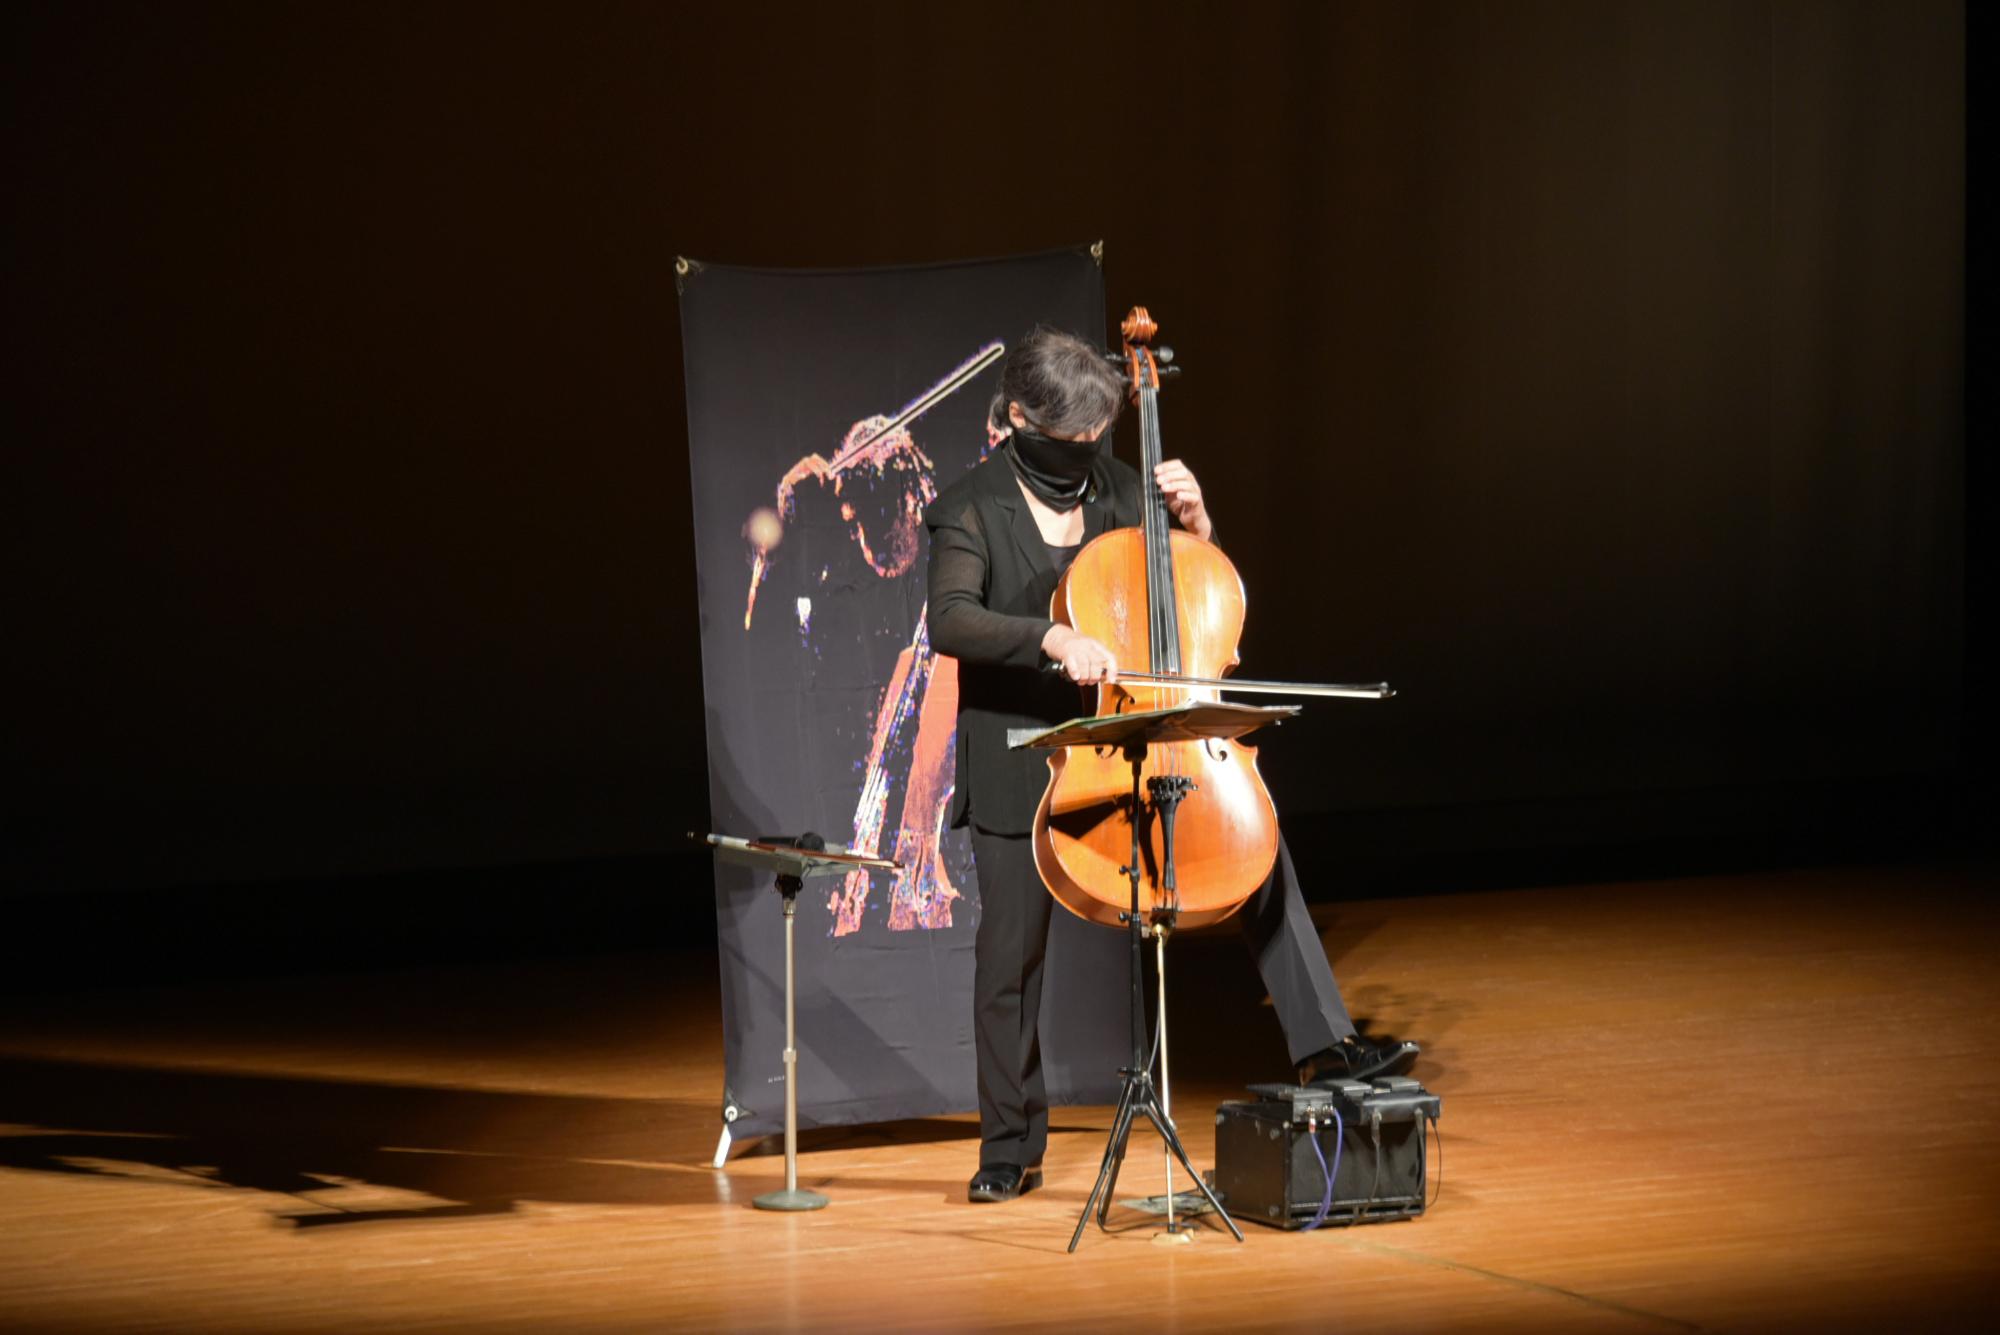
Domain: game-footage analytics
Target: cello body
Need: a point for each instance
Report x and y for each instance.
(1161, 597)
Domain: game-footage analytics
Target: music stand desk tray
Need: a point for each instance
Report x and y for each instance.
(788, 861)
(1191, 722)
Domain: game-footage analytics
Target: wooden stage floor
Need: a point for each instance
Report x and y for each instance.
(1727, 1104)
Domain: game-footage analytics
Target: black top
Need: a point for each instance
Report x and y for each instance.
(1060, 556)
(991, 575)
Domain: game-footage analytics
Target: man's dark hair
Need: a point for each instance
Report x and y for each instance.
(1063, 384)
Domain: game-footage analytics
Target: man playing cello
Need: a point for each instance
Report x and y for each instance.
(1001, 536)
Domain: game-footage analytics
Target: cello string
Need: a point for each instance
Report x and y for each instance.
(1166, 604)
(1165, 531)
(1149, 460)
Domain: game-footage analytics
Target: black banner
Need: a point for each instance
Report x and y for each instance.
(825, 410)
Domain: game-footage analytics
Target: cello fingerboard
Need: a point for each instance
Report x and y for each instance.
(1163, 607)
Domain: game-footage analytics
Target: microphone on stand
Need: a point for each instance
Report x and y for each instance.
(808, 841)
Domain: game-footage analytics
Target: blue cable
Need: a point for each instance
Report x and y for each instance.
(1326, 1201)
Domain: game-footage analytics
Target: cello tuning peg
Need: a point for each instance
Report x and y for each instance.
(1169, 372)
(1163, 354)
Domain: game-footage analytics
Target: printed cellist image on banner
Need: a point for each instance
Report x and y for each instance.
(826, 410)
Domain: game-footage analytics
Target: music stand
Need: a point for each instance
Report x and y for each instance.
(1134, 734)
(792, 865)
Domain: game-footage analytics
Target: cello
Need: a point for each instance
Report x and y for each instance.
(1158, 596)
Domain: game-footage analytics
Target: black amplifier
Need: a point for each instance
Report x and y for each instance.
(1338, 1152)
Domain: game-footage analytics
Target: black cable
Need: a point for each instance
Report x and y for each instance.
(1375, 1186)
(1438, 1190)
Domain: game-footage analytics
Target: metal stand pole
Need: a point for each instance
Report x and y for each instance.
(791, 1198)
(1174, 1232)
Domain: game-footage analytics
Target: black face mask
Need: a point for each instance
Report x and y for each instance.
(1056, 471)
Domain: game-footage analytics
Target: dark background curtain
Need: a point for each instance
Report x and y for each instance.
(1594, 372)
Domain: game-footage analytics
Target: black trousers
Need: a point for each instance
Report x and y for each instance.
(1008, 953)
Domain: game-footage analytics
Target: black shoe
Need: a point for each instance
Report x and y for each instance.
(1003, 1182)
(1358, 1058)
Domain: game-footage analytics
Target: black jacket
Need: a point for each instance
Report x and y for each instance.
(990, 582)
